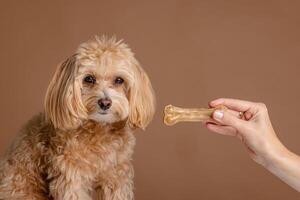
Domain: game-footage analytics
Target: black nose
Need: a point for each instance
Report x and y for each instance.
(104, 103)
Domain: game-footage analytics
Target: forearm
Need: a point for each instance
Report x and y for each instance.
(286, 166)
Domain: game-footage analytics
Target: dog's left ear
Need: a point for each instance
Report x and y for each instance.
(141, 99)
(63, 105)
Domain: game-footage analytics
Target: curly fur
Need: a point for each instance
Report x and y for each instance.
(71, 150)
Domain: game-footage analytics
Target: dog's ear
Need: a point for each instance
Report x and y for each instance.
(141, 98)
(63, 105)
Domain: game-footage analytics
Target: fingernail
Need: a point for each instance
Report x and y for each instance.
(218, 115)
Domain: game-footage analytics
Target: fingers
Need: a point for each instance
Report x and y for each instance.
(227, 118)
(235, 113)
(223, 130)
(234, 104)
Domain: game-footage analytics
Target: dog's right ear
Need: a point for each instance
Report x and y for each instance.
(63, 105)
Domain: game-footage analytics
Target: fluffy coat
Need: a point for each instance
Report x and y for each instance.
(74, 149)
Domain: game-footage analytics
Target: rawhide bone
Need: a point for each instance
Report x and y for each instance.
(173, 114)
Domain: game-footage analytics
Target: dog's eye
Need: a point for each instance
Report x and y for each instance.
(90, 79)
(119, 80)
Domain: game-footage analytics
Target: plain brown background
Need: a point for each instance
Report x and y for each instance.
(194, 51)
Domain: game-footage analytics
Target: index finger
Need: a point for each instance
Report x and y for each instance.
(234, 104)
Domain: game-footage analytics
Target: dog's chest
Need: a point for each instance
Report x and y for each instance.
(97, 153)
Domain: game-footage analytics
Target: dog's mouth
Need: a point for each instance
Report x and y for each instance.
(103, 113)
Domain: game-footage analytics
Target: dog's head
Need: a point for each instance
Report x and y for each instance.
(102, 82)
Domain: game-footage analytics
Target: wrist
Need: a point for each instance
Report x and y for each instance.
(276, 156)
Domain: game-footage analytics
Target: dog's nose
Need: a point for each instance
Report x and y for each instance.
(104, 103)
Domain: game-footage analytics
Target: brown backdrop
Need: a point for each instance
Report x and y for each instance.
(194, 51)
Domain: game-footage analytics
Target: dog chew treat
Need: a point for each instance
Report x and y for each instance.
(175, 114)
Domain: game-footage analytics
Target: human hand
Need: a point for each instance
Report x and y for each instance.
(254, 129)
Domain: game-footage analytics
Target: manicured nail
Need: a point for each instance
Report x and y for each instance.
(218, 115)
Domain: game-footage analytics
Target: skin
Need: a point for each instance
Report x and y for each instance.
(255, 130)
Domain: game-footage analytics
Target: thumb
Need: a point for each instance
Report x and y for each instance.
(226, 118)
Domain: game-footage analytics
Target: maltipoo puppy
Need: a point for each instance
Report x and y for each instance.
(81, 146)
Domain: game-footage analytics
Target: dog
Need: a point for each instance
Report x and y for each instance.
(81, 145)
